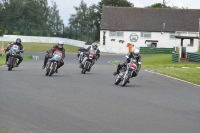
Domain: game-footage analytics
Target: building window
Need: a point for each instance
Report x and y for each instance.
(191, 42)
(172, 35)
(120, 34)
(112, 33)
(116, 33)
(145, 34)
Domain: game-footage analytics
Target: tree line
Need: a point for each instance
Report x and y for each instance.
(30, 17)
(37, 18)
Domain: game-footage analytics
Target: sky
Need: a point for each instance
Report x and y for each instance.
(66, 7)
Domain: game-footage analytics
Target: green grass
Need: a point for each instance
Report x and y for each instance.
(162, 61)
(188, 74)
(43, 47)
(3, 58)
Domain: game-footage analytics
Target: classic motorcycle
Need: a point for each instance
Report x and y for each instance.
(126, 72)
(52, 63)
(88, 63)
(12, 60)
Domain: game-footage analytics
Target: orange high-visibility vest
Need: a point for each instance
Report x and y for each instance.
(130, 47)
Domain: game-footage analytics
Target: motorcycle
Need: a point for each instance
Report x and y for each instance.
(88, 63)
(52, 63)
(12, 60)
(126, 73)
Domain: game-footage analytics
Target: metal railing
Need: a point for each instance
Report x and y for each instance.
(175, 57)
(194, 57)
(152, 50)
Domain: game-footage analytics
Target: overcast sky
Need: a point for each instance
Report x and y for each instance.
(66, 7)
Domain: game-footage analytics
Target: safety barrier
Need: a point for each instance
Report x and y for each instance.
(175, 57)
(35, 57)
(194, 57)
(151, 50)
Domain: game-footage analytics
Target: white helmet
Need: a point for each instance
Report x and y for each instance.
(60, 44)
(136, 52)
(94, 46)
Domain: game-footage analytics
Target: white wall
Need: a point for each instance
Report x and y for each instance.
(164, 41)
(114, 46)
(38, 39)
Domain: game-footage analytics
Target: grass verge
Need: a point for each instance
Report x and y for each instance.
(3, 58)
(188, 74)
(43, 47)
(160, 61)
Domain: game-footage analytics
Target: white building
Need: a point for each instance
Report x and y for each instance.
(148, 27)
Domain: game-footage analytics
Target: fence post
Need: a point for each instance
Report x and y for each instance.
(81, 33)
(70, 32)
(76, 32)
(87, 34)
(94, 35)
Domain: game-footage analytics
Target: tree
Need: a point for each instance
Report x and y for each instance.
(91, 16)
(80, 23)
(98, 11)
(81, 16)
(55, 23)
(30, 17)
(160, 5)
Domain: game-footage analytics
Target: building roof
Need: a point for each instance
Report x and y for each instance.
(149, 19)
(186, 37)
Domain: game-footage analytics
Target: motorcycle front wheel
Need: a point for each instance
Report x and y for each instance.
(85, 67)
(52, 68)
(117, 80)
(47, 73)
(125, 80)
(9, 68)
(10, 64)
(83, 71)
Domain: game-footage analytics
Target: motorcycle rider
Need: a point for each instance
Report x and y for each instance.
(91, 49)
(49, 54)
(19, 57)
(135, 55)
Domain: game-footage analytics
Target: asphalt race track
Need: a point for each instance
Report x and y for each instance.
(71, 102)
